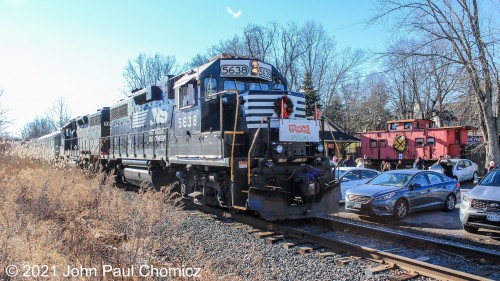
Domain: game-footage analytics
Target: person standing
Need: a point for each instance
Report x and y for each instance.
(335, 161)
(360, 163)
(419, 163)
(382, 166)
(491, 166)
(348, 162)
(387, 167)
(399, 165)
(447, 166)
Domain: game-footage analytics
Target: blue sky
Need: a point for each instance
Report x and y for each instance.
(77, 49)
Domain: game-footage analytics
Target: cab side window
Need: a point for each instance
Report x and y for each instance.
(210, 85)
(186, 95)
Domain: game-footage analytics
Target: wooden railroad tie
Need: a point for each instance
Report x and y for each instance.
(403, 276)
(241, 226)
(306, 250)
(253, 230)
(324, 255)
(272, 240)
(260, 235)
(291, 245)
(343, 261)
(369, 272)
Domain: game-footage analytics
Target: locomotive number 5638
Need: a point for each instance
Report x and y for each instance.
(187, 121)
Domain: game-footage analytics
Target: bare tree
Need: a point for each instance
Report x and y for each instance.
(146, 70)
(317, 60)
(4, 121)
(37, 128)
(259, 40)
(342, 71)
(419, 85)
(59, 114)
(287, 50)
(460, 25)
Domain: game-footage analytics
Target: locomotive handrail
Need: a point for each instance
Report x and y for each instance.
(234, 127)
(251, 148)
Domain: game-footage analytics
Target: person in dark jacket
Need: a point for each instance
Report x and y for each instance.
(419, 163)
(348, 162)
(447, 165)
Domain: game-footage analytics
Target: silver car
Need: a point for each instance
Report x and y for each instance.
(463, 169)
(399, 192)
(353, 176)
(480, 207)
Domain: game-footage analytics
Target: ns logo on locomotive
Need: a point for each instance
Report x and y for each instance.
(228, 131)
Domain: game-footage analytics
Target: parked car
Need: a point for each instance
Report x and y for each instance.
(480, 207)
(400, 192)
(353, 176)
(463, 169)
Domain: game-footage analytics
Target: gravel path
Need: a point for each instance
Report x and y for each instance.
(224, 252)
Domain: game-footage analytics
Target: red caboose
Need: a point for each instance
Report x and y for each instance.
(408, 139)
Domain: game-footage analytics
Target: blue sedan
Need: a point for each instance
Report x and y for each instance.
(400, 192)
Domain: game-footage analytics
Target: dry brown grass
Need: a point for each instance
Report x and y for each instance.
(62, 216)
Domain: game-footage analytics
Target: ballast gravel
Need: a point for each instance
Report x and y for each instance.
(224, 252)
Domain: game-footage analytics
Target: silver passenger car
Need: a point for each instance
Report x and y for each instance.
(480, 207)
(399, 192)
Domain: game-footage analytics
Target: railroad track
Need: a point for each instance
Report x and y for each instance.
(386, 260)
(472, 252)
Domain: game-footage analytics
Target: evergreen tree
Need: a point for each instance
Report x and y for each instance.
(311, 94)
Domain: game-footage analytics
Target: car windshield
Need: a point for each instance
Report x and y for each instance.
(391, 179)
(337, 171)
(491, 179)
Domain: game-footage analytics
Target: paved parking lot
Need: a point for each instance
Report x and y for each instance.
(438, 222)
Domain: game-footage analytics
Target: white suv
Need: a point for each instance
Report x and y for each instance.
(480, 207)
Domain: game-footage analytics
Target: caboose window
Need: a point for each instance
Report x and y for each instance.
(373, 143)
(234, 85)
(382, 143)
(430, 141)
(210, 85)
(394, 126)
(407, 125)
(419, 142)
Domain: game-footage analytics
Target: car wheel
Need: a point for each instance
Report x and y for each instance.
(400, 209)
(450, 202)
(470, 229)
(475, 178)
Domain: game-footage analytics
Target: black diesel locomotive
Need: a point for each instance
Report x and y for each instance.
(228, 131)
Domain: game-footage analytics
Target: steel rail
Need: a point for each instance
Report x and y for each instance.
(410, 265)
(409, 239)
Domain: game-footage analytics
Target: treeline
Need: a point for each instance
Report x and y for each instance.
(444, 68)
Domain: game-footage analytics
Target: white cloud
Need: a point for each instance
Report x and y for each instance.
(234, 14)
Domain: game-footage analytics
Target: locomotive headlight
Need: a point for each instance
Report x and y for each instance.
(319, 147)
(255, 67)
(278, 148)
